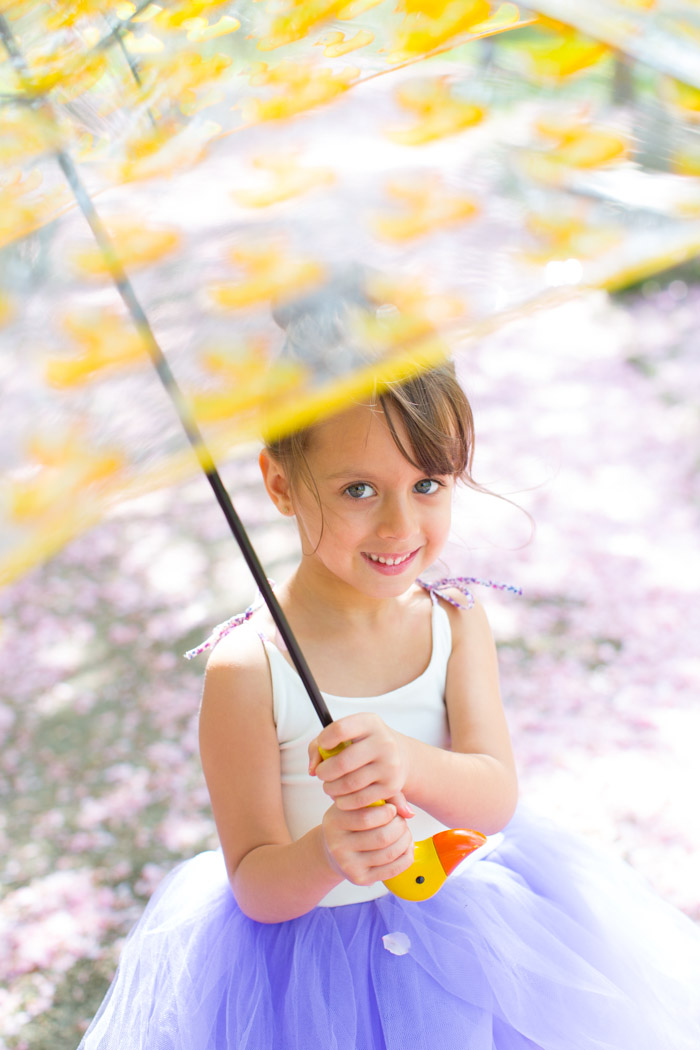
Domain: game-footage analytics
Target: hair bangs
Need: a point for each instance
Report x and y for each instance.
(437, 419)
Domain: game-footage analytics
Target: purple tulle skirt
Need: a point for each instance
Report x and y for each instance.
(543, 943)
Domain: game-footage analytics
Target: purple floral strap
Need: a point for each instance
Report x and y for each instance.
(461, 583)
(224, 628)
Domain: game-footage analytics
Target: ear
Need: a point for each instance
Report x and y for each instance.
(276, 483)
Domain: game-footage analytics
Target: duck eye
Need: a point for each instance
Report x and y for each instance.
(420, 878)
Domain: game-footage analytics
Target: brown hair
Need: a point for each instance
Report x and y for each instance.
(437, 418)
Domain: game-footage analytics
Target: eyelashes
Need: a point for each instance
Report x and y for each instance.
(360, 490)
(431, 482)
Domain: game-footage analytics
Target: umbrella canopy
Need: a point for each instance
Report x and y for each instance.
(170, 170)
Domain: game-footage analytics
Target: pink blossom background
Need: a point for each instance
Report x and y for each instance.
(587, 418)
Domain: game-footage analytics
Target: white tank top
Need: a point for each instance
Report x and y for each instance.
(417, 709)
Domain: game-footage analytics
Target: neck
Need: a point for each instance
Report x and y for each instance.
(334, 603)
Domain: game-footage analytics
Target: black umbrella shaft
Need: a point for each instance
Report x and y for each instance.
(248, 552)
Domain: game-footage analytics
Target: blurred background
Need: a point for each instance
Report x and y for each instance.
(526, 181)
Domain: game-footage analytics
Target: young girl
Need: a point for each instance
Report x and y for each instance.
(287, 938)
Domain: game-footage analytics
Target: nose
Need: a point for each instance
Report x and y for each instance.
(397, 519)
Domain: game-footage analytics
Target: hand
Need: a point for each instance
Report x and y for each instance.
(371, 769)
(367, 845)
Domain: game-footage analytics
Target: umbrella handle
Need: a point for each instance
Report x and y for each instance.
(425, 876)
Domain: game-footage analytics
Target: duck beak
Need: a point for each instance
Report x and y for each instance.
(453, 846)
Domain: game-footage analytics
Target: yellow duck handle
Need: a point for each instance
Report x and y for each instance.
(434, 858)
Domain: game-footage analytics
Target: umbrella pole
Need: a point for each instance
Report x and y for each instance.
(251, 558)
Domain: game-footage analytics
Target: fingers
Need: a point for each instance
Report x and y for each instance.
(352, 727)
(355, 790)
(314, 757)
(368, 845)
(396, 867)
(364, 785)
(318, 753)
(369, 768)
(403, 807)
(370, 818)
(361, 787)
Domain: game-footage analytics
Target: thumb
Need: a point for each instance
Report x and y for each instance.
(403, 808)
(314, 757)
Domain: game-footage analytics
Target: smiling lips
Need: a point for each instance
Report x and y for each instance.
(389, 564)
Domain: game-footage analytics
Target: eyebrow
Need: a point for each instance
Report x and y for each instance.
(350, 473)
(367, 475)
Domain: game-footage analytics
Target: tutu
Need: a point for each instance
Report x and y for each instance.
(536, 942)
(542, 943)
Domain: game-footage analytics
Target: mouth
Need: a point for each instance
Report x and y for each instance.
(390, 564)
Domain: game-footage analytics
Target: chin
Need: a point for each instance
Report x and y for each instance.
(391, 587)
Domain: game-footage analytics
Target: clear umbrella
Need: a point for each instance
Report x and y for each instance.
(225, 158)
(171, 170)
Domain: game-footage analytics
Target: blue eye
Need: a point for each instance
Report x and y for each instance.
(426, 487)
(361, 490)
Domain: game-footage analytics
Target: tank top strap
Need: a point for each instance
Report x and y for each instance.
(285, 681)
(441, 642)
(436, 588)
(222, 629)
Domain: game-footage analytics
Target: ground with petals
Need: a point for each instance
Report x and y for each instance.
(587, 418)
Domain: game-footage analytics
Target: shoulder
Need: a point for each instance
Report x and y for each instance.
(238, 648)
(237, 668)
(236, 715)
(468, 621)
(465, 613)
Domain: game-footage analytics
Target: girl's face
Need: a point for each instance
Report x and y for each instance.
(381, 521)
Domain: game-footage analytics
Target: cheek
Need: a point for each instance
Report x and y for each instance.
(311, 527)
(442, 522)
(320, 526)
(328, 530)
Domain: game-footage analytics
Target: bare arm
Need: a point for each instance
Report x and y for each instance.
(273, 877)
(472, 785)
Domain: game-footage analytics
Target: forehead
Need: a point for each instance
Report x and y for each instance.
(353, 437)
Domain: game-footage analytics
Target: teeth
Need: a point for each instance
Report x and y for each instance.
(388, 561)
